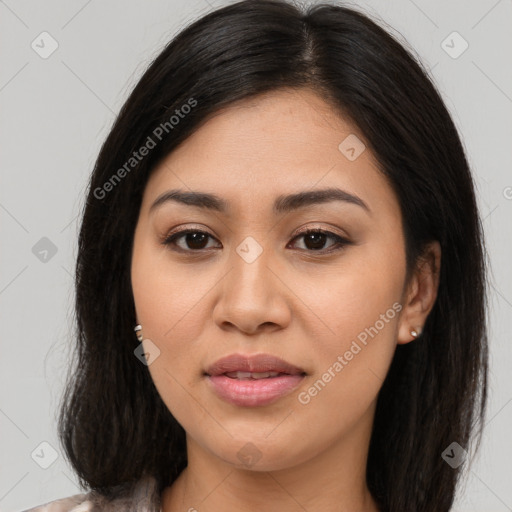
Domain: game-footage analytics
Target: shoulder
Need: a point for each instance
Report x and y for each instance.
(142, 496)
(75, 503)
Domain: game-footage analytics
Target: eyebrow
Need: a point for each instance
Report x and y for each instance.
(282, 204)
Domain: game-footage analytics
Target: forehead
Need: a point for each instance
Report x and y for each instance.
(276, 143)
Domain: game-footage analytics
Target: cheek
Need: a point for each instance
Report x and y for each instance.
(168, 301)
(350, 366)
(166, 295)
(357, 317)
(364, 289)
(167, 305)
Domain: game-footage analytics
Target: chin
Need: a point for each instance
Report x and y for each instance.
(260, 454)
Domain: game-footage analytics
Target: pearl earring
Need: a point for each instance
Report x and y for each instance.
(415, 333)
(138, 331)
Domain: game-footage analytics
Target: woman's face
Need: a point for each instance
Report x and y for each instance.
(256, 284)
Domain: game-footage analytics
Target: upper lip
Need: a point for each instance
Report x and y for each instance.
(258, 363)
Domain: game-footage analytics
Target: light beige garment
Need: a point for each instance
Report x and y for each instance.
(144, 497)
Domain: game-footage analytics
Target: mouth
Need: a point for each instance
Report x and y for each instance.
(255, 375)
(256, 365)
(253, 381)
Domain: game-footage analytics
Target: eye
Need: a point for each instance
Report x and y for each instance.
(195, 240)
(315, 239)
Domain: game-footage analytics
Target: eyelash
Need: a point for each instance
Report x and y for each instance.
(340, 241)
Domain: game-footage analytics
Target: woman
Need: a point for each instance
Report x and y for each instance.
(280, 279)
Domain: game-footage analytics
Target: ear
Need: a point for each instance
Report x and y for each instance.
(420, 294)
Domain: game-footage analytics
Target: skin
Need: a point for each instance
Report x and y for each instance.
(291, 302)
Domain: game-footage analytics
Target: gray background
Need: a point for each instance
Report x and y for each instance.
(56, 112)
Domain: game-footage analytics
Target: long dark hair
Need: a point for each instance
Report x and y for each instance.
(113, 424)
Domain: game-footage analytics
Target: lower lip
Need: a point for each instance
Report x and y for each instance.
(254, 392)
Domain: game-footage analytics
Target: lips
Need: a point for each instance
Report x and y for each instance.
(257, 366)
(253, 381)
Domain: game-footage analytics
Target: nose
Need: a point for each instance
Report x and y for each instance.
(252, 296)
